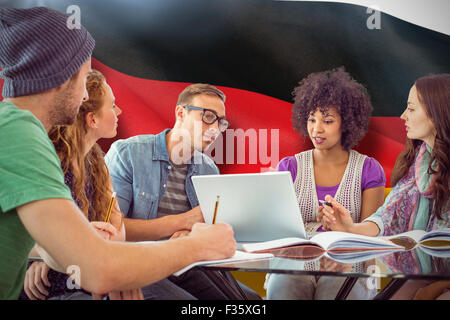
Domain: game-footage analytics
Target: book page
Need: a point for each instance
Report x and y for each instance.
(336, 240)
(416, 235)
(437, 235)
(436, 252)
(330, 240)
(435, 238)
(358, 256)
(273, 244)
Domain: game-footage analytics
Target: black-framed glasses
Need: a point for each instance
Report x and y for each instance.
(210, 117)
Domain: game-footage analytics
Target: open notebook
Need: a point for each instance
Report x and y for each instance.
(336, 243)
(314, 253)
(328, 241)
(237, 257)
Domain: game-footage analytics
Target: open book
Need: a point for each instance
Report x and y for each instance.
(331, 241)
(433, 242)
(237, 257)
(308, 253)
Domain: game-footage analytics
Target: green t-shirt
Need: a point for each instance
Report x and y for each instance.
(30, 170)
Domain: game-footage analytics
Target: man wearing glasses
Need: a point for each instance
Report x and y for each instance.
(152, 177)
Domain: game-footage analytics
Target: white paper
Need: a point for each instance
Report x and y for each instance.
(238, 256)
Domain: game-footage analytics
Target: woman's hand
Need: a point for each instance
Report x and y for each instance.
(120, 236)
(36, 280)
(336, 218)
(105, 229)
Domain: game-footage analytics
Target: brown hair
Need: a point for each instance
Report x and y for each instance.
(433, 92)
(199, 88)
(69, 143)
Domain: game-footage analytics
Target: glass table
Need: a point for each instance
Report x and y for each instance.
(400, 266)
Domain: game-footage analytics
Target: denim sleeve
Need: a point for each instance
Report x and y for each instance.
(215, 169)
(210, 167)
(120, 170)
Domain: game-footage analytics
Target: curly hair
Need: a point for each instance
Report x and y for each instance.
(433, 92)
(333, 89)
(69, 142)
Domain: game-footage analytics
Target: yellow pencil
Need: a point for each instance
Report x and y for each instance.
(215, 210)
(111, 202)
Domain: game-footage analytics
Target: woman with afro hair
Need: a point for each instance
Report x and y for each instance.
(332, 110)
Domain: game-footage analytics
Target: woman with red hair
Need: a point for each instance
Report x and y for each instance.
(87, 176)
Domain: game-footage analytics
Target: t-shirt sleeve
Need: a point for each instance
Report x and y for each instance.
(288, 164)
(373, 174)
(30, 169)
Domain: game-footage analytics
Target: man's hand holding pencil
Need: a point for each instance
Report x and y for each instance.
(214, 242)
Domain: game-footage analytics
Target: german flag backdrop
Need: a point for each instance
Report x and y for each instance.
(256, 52)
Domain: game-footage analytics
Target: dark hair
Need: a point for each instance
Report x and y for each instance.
(199, 88)
(433, 92)
(328, 89)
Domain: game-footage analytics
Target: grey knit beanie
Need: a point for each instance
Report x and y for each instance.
(38, 51)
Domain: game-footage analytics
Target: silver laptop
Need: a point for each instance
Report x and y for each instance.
(259, 206)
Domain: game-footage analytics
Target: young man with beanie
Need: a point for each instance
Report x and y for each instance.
(45, 65)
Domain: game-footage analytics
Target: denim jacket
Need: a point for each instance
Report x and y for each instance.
(139, 167)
